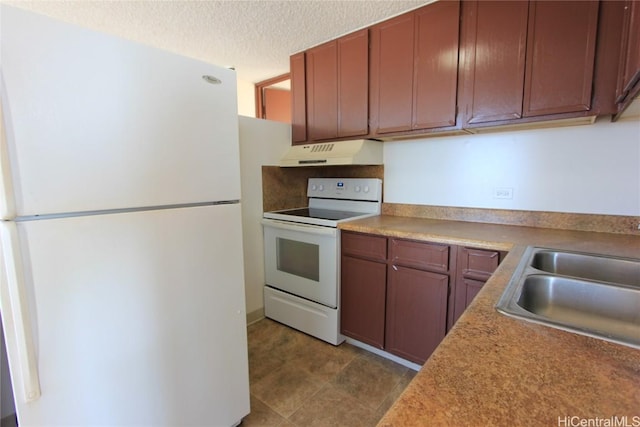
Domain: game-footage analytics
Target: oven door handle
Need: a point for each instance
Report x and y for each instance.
(304, 228)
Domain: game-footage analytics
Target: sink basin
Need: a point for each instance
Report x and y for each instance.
(589, 294)
(613, 311)
(587, 266)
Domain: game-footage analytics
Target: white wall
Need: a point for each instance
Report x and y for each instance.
(262, 142)
(246, 99)
(584, 169)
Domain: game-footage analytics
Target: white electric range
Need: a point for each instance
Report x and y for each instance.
(302, 254)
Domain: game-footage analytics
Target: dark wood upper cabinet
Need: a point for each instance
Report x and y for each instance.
(392, 74)
(414, 68)
(353, 84)
(561, 46)
(523, 60)
(630, 57)
(322, 91)
(628, 82)
(493, 52)
(436, 65)
(608, 48)
(452, 66)
(337, 87)
(298, 98)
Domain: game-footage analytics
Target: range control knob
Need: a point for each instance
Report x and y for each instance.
(357, 189)
(314, 187)
(366, 188)
(320, 187)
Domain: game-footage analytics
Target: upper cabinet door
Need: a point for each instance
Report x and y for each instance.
(322, 91)
(298, 98)
(436, 65)
(392, 50)
(560, 56)
(414, 69)
(337, 87)
(629, 72)
(493, 51)
(353, 84)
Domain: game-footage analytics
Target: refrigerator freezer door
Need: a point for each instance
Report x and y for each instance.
(93, 122)
(137, 318)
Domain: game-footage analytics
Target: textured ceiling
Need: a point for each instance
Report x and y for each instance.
(256, 37)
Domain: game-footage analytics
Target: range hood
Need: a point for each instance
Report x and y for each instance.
(354, 152)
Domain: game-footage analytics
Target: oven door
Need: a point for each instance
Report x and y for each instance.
(302, 259)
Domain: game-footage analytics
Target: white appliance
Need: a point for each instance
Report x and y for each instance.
(122, 292)
(302, 254)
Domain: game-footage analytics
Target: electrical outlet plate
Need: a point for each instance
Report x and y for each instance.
(503, 193)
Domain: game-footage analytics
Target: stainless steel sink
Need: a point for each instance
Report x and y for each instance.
(587, 266)
(583, 293)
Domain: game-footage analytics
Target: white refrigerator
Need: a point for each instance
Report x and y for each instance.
(122, 294)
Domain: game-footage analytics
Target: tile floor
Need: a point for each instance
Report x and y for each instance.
(297, 380)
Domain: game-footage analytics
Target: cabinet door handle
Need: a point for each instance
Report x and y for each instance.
(394, 267)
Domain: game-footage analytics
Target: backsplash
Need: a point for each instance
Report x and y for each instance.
(556, 220)
(286, 188)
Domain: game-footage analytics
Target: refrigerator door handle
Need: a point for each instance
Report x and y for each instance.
(19, 312)
(7, 199)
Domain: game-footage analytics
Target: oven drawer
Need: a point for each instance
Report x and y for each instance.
(364, 246)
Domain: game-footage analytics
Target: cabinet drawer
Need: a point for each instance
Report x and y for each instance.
(425, 256)
(364, 245)
(478, 264)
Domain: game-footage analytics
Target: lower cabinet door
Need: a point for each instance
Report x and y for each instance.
(416, 319)
(362, 300)
(466, 291)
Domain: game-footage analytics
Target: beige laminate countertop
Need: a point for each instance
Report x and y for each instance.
(493, 370)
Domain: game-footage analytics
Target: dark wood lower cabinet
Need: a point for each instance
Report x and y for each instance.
(362, 295)
(402, 295)
(475, 266)
(416, 319)
(466, 292)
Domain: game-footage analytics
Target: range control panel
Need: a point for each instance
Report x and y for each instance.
(345, 188)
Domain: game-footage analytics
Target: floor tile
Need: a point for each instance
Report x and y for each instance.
(286, 389)
(262, 364)
(332, 407)
(324, 360)
(369, 379)
(269, 337)
(297, 380)
(395, 393)
(261, 415)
